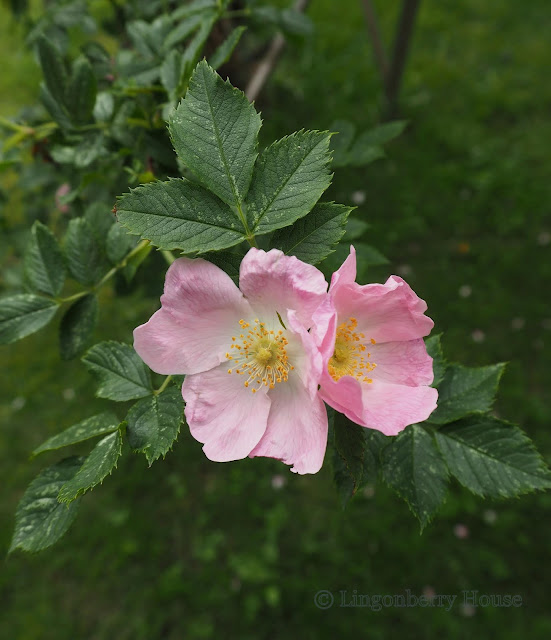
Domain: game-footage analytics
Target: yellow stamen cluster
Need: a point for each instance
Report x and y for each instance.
(349, 357)
(260, 354)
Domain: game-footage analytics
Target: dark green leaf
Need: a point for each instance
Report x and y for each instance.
(312, 238)
(224, 51)
(382, 134)
(77, 326)
(83, 252)
(414, 468)
(24, 314)
(153, 423)
(214, 131)
(492, 458)
(44, 264)
(288, 180)
(179, 214)
(90, 428)
(58, 112)
(341, 140)
(439, 364)
(118, 243)
(120, 371)
(466, 390)
(81, 91)
(40, 520)
(96, 467)
(53, 69)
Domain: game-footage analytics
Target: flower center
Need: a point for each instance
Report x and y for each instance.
(260, 354)
(349, 356)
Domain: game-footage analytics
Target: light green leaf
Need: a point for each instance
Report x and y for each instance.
(118, 243)
(466, 390)
(179, 214)
(312, 238)
(439, 364)
(355, 229)
(414, 468)
(288, 180)
(121, 373)
(96, 467)
(183, 30)
(171, 72)
(81, 91)
(224, 51)
(90, 428)
(77, 326)
(341, 140)
(83, 252)
(214, 131)
(492, 458)
(44, 264)
(153, 423)
(40, 520)
(24, 314)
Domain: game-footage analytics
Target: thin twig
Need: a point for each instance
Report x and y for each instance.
(267, 64)
(379, 52)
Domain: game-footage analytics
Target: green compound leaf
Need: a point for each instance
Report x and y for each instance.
(153, 423)
(224, 51)
(77, 326)
(96, 467)
(179, 214)
(83, 252)
(312, 238)
(44, 265)
(214, 131)
(439, 364)
(89, 428)
(414, 468)
(466, 390)
(24, 314)
(121, 373)
(492, 458)
(289, 178)
(40, 520)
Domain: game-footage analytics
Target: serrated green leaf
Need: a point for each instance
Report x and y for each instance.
(224, 51)
(288, 179)
(439, 364)
(171, 72)
(118, 243)
(312, 238)
(179, 214)
(53, 69)
(77, 326)
(228, 262)
(90, 428)
(100, 218)
(153, 423)
(121, 373)
(492, 458)
(96, 467)
(24, 314)
(40, 520)
(81, 91)
(214, 131)
(414, 468)
(44, 264)
(466, 390)
(83, 253)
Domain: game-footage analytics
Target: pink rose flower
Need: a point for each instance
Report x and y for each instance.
(376, 367)
(252, 368)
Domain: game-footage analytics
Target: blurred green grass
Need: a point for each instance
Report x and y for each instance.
(191, 549)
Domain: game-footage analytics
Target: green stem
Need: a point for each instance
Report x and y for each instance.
(163, 386)
(168, 256)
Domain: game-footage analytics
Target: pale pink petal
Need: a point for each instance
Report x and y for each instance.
(385, 312)
(344, 395)
(324, 329)
(224, 415)
(272, 282)
(297, 429)
(346, 273)
(192, 332)
(405, 362)
(303, 355)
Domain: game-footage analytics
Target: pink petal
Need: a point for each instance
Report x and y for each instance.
(385, 312)
(297, 429)
(192, 332)
(405, 362)
(224, 415)
(324, 329)
(274, 282)
(303, 355)
(346, 273)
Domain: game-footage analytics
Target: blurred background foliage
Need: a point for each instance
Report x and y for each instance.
(461, 208)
